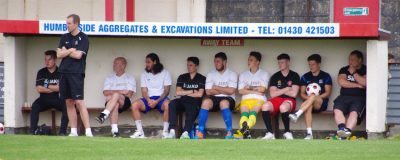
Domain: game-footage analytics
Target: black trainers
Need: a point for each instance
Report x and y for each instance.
(344, 132)
(116, 135)
(245, 131)
(101, 118)
(62, 134)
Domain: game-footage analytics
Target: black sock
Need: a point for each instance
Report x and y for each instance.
(286, 121)
(348, 129)
(267, 120)
(341, 126)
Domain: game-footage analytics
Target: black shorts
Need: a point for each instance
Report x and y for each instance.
(71, 86)
(349, 104)
(323, 107)
(126, 106)
(217, 100)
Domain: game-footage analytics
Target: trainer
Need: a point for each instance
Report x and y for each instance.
(73, 50)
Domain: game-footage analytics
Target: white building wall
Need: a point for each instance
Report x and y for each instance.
(15, 77)
(377, 85)
(156, 10)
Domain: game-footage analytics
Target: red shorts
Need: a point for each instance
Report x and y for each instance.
(277, 102)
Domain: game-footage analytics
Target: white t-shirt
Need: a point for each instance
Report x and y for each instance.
(123, 82)
(155, 83)
(260, 78)
(227, 79)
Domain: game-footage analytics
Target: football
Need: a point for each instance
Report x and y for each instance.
(313, 88)
(1, 128)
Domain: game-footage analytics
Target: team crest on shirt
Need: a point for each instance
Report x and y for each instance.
(76, 42)
(279, 83)
(320, 81)
(289, 83)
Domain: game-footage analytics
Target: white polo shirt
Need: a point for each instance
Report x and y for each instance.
(226, 79)
(260, 78)
(123, 82)
(155, 83)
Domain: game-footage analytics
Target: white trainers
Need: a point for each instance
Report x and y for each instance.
(73, 135)
(170, 135)
(137, 134)
(89, 135)
(165, 135)
(288, 136)
(268, 136)
(293, 117)
(309, 137)
(185, 135)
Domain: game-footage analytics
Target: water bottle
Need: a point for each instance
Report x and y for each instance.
(195, 128)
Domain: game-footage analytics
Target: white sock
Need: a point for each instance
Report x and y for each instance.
(88, 131)
(166, 125)
(309, 131)
(114, 128)
(299, 112)
(139, 125)
(106, 112)
(172, 131)
(74, 131)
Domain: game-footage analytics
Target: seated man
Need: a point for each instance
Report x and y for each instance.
(283, 89)
(190, 86)
(252, 86)
(119, 88)
(47, 85)
(221, 85)
(352, 98)
(155, 83)
(313, 103)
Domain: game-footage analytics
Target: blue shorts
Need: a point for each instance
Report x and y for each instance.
(158, 106)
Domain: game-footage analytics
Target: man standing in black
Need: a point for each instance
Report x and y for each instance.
(190, 86)
(47, 85)
(73, 50)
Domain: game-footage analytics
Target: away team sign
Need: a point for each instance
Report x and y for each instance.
(196, 29)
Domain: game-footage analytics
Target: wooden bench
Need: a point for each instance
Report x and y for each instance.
(179, 126)
(80, 127)
(28, 110)
(275, 121)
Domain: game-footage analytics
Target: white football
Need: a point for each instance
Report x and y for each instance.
(1, 128)
(313, 88)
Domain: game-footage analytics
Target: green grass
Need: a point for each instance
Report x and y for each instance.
(51, 147)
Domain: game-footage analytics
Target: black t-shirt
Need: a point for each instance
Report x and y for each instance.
(321, 79)
(45, 78)
(349, 77)
(280, 81)
(79, 42)
(186, 83)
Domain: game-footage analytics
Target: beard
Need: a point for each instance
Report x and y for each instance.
(148, 70)
(221, 69)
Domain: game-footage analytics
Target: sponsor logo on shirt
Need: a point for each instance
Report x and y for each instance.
(191, 86)
(351, 78)
(255, 83)
(222, 84)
